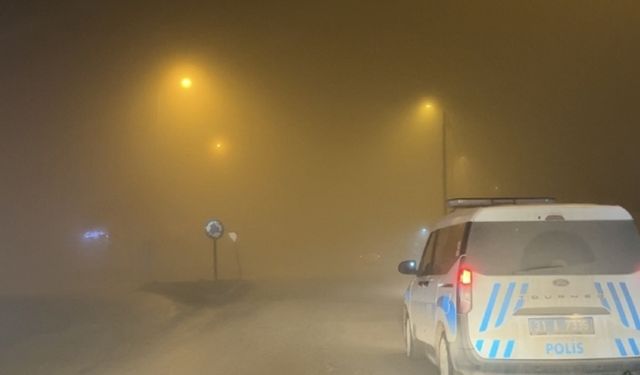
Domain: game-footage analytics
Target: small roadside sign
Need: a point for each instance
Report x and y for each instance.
(214, 229)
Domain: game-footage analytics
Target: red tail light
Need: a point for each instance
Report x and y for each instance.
(465, 276)
(465, 279)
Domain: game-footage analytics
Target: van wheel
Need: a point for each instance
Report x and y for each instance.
(414, 348)
(444, 360)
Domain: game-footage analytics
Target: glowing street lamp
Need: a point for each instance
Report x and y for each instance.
(186, 83)
(218, 147)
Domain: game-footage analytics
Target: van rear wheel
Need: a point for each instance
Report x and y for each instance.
(444, 361)
(414, 348)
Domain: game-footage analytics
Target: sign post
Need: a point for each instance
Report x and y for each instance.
(214, 229)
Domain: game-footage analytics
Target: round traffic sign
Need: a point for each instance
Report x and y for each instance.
(214, 228)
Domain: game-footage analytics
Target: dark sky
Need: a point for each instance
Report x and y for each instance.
(315, 102)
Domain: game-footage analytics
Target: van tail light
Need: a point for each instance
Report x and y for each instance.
(465, 280)
(465, 276)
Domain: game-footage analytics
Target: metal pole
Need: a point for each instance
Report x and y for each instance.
(215, 259)
(444, 162)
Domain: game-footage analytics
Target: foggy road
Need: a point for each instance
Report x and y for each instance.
(325, 139)
(309, 327)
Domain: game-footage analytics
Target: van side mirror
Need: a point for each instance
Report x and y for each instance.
(408, 267)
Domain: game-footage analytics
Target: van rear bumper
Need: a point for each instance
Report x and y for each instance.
(587, 366)
(466, 361)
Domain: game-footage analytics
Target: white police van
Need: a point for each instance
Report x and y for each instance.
(527, 286)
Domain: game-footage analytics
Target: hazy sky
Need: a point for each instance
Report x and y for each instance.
(315, 103)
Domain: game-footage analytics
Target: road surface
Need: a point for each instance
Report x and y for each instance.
(292, 327)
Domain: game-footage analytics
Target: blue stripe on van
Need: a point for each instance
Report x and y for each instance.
(616, 300)
(449, 310)
(509, 349)
(523, 291)
(632, 306)
(494, 348)
(603, 299)
(489, 310)
(505, 304)
(479, 345)
(634, 347)
(621, 349)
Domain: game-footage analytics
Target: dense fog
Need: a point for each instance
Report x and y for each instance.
(304, 130)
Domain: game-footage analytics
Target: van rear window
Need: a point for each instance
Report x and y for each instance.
(554, 247)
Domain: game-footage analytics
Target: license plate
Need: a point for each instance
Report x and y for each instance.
(561, 326)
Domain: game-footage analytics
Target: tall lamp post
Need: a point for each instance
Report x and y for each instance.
(444, 160)
(443, 129)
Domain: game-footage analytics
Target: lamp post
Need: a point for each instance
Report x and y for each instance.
(430, 107)
(444, 161)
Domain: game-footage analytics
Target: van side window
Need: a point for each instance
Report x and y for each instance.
(448, 248)
(427, 255)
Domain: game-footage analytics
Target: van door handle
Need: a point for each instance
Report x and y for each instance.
(445, 285)
(424, 283)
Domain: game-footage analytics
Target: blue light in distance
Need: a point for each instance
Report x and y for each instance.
(95, 234)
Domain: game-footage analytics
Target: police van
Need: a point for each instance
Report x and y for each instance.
(527, 286)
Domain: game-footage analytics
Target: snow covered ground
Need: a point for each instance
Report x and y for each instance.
(285, 327)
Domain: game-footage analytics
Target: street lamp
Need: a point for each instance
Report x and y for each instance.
(186, 83)
(219, 146)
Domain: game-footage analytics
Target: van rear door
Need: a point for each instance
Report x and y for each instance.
(554, 290)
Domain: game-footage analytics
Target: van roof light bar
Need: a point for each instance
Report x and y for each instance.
(497, 201)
